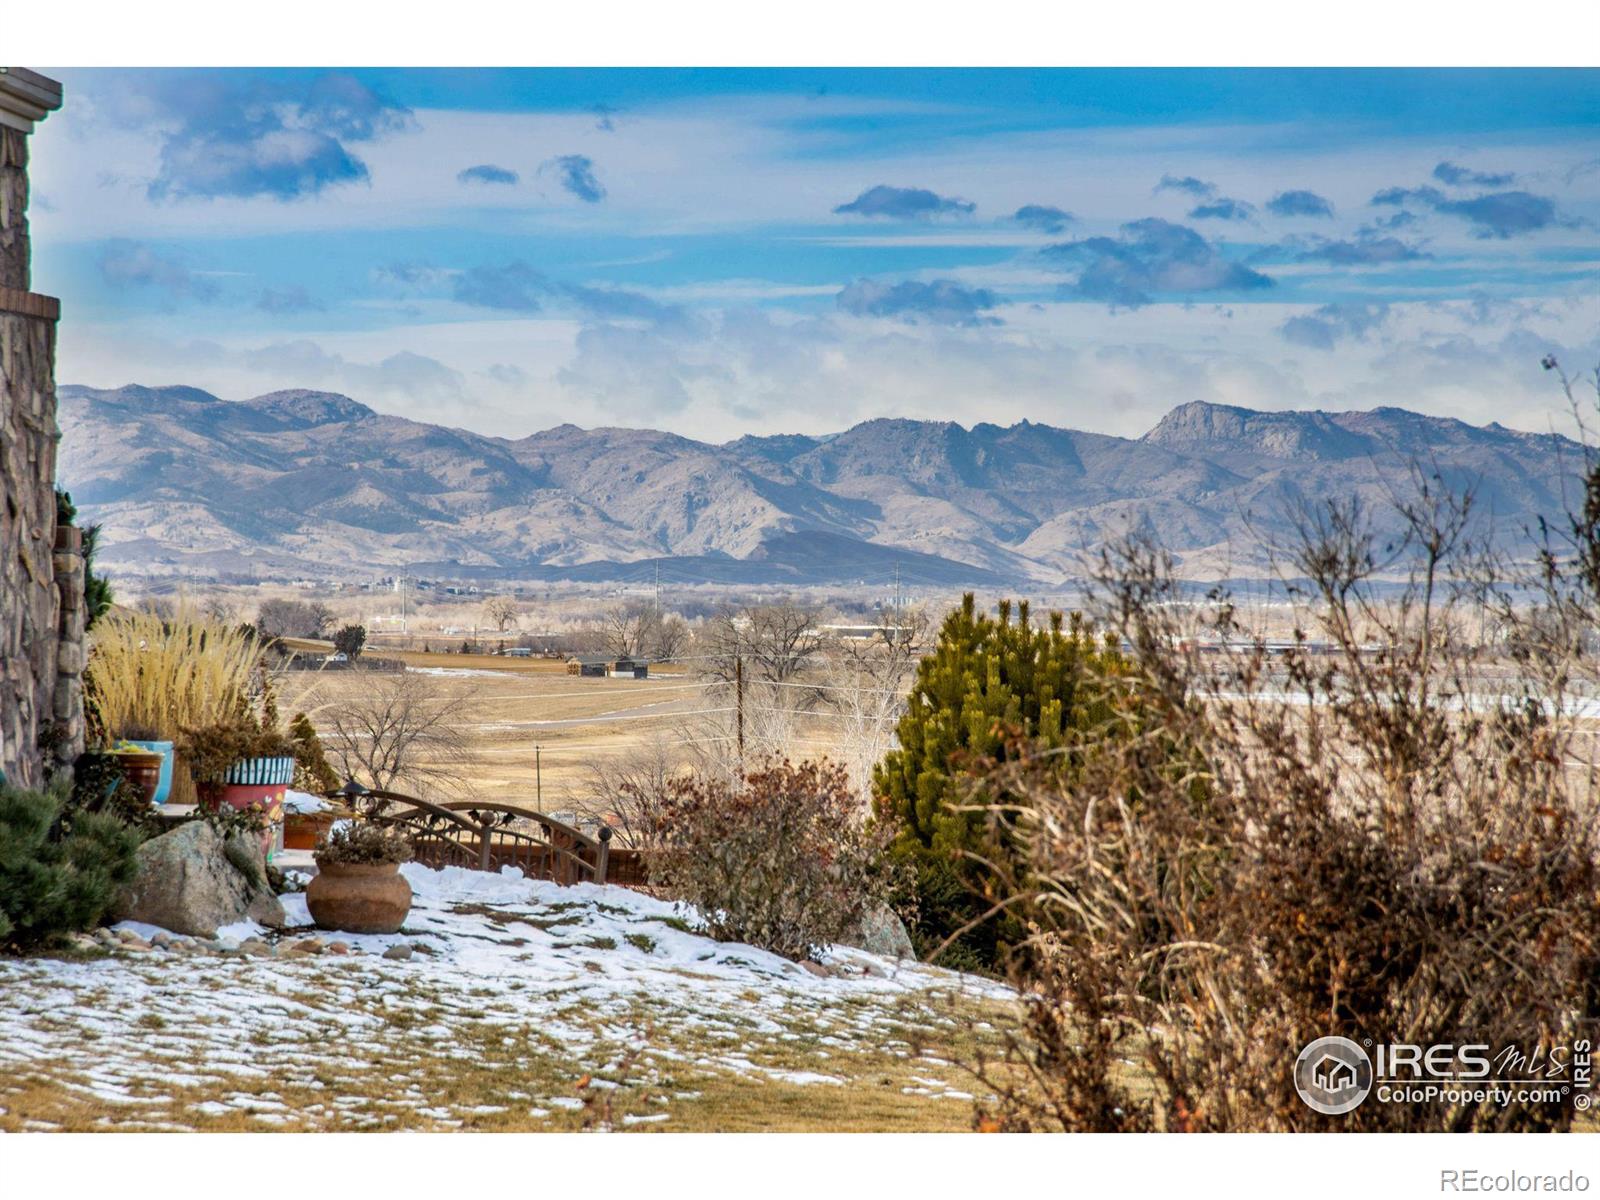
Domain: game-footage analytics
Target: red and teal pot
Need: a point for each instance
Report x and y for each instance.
(253, 783)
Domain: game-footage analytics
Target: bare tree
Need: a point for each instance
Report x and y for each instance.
(628, 629)
(775, 642)
(866, 684)
(671, 638)
(293, 618)
(500, 611)
(398, 729)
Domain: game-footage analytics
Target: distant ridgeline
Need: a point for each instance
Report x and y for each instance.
(310, 483)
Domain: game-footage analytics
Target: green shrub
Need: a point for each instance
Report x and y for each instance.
(350, 640)
(97, 596)
(60, 869)
(989, 684)
(312, 771)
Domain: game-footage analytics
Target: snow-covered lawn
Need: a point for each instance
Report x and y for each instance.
(539, 1007)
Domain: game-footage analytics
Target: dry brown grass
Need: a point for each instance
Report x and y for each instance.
(497, 1077)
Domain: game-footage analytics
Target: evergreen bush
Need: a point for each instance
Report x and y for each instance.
(990, 684)
(312, 771)
(60, 868)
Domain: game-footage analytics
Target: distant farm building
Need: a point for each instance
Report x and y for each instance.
(602, 665)
(865, 633)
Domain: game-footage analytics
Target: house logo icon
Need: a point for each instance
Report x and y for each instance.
(1333, 1075)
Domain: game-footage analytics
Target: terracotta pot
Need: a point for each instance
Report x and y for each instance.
(359, 897)
(143, 771)
(164, 749)
(302, 831)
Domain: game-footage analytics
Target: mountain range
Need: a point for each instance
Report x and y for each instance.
(314, 483)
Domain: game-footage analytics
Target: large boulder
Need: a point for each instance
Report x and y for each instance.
(194, 881)
(880, 931)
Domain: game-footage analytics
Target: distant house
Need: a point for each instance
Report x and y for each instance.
(588, 664)
(630, 668)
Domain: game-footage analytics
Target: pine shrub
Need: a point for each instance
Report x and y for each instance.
(312, 771)
(988, 684)
(60, 869)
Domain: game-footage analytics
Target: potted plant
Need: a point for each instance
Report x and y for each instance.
(148, 738)
(308, 819)
(238, 765)
(358, 887)
(142, 767)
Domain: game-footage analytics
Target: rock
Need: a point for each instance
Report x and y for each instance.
(256, 948)
(399, 953)
(338, 947)
(305, 946)
(84, 944)
(880, 931)
(815, 968)
(194, 881)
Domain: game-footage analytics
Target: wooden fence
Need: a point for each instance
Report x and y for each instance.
(489, 836)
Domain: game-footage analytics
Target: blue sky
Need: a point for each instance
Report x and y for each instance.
(747, 251)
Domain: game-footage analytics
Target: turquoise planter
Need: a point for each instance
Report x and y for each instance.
(164, 788)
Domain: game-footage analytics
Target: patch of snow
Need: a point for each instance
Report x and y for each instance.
(804, 1078)
(239, 931)
(294, 909)
(304, 802)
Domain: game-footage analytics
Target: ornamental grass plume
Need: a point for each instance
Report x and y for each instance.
(160, 674)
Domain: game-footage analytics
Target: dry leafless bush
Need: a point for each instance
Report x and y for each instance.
(1384, 829)
(628, 791)
(779, 858)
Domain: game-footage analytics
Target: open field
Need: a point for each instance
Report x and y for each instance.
(516, 708)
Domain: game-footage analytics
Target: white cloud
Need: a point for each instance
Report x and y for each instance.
(750, 370)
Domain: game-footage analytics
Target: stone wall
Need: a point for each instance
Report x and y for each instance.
(41, 584)
(13, 209)
(31, 612)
